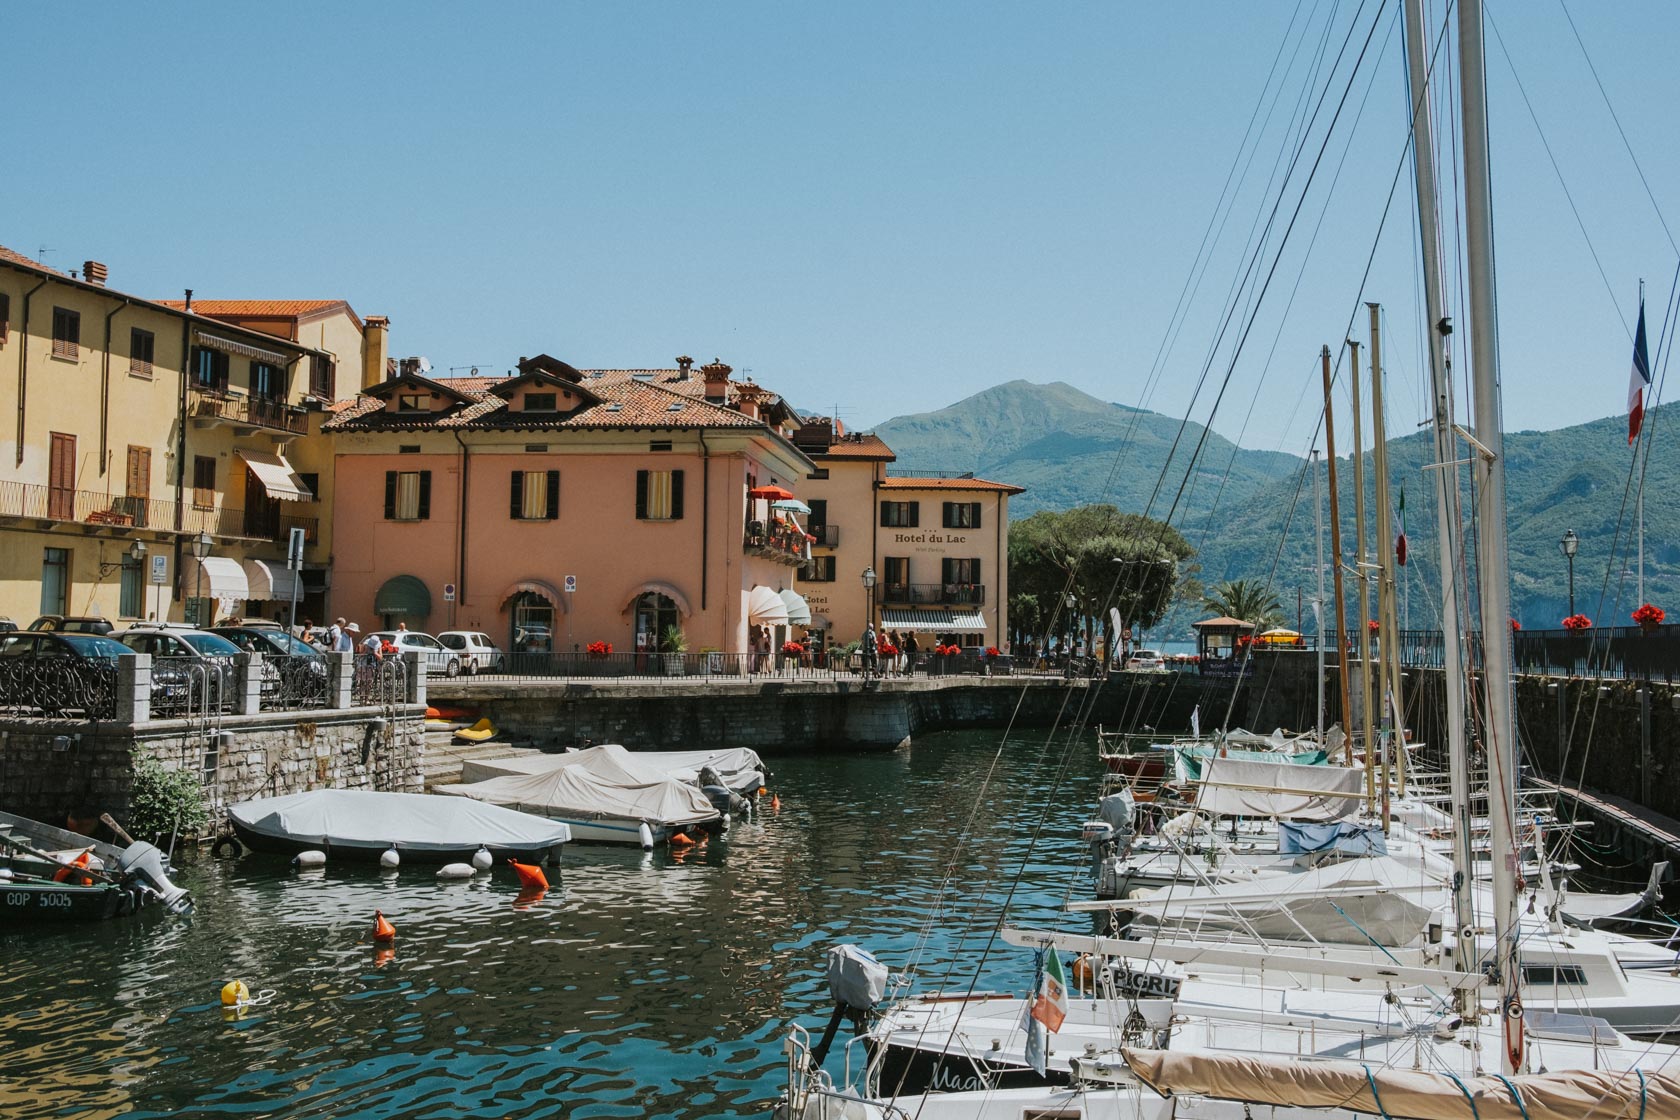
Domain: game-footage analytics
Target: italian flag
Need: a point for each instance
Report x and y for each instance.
(1050, 1005)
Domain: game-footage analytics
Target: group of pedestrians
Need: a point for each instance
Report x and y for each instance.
(890, 652)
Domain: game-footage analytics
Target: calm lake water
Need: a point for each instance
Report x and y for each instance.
(640, 985)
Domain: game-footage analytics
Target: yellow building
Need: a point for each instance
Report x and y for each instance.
(145, 433)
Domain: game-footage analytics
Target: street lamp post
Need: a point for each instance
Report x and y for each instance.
(1567, 546)
(869, 597)
(201, 546)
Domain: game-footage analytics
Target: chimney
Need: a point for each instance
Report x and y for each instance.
(748, 397)
(408, 367)
(375, 329)
(93, 272)
(717, 380)
(683, 365)
(188, 306)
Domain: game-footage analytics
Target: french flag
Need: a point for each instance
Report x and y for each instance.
(1640, 379)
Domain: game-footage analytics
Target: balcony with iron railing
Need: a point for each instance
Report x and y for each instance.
(827, 536)
(935, 594)
(781, 541)
(210, 407)
(92, 510)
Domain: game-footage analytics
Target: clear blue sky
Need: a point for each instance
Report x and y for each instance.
(882, 207)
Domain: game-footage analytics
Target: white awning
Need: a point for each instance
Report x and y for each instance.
(277, 476)
(765, 608)
(798, 610)
(242, 349)
(955, 621)
(214, 577)
(270, 579)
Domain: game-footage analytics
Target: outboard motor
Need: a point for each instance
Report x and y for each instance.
(1111, 833)
(723, 799)
(858, 982)
(142, 862)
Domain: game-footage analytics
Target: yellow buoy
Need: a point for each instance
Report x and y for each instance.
(234, 993)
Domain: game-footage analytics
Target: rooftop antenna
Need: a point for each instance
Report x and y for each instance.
(43, 251)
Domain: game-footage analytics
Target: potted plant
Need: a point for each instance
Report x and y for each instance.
(673, 643)
(1648, 617)
(1576, 623)
(792, 654)
(598, 651)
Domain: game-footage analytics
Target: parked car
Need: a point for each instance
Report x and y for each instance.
(6, 625)
(175, 650)
(477, 651)
(1147, 660)
(270, 641)
(83, 624)
(436, 657)
(290, 664)
(56, 672)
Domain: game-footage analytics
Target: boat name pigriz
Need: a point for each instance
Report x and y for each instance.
(1157, 985)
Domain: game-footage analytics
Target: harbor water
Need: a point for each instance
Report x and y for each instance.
(641, 984)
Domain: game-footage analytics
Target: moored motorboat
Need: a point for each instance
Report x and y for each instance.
(424, 828)
(52, 874)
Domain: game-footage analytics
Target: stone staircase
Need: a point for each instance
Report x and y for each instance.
(445, 754)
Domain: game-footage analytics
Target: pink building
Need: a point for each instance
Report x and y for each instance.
(560, 507)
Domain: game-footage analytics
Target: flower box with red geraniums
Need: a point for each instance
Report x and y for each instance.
(992, 651)
(886, 649)
(598, 649)
(1648, 617)
(947, 651)
(1372, 626)
(1577, 622)
(1515, 625)
(793, 649)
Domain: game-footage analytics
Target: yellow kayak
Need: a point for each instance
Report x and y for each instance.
(478, 732)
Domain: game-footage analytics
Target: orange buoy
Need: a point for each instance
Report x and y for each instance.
(530, 875)
(762, 791)
(382, 929)
(776, 802)
(681, 840)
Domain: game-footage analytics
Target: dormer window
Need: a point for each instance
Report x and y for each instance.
(539, 402)
(414, 402)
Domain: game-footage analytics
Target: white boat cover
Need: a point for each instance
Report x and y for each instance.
(416, 822)
(1245, 788)
(1576, 1094)
(739, 767)
(1353, 902)
(602, 782)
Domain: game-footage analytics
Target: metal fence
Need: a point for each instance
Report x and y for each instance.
(295, 682)
(192, 687)
(383, 683)
(821, 664)
(58, 686)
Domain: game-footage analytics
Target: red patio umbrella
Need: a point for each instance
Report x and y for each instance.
(774, 493)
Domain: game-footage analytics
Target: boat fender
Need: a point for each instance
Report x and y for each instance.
(456, 871)
(390, 857)
(482, 860)
(645, 835)
(5, 874)
(1084, 972)
(383, 931)
(314, 857)
(681, 840)
(529, 875)
(227, 846)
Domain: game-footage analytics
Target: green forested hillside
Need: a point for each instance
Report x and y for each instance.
(1065, 446)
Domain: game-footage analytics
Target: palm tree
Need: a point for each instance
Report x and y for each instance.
(1247, 599)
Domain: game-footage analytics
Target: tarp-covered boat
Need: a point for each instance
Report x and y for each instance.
(423, 827)
(739, 768)
(606, 794)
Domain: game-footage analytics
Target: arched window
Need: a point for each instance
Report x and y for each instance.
(532, 623)
(655, 613)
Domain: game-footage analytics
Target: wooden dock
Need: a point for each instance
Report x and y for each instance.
(1639, 834)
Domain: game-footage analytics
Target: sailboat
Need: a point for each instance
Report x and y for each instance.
(1451, 1039)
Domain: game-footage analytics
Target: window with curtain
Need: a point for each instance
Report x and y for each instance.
(535, 496)
(659, 495)
(962, 515)
(408, 495)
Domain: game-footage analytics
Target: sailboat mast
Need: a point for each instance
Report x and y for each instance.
(1446, 483)
(1336, 565)
(1367, 723)
(1388, 637)
(1493, 570)
(1318, 603)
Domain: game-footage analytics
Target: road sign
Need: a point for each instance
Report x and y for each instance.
(294, 548)
(571, 584)
(160, 568)
(449, 592)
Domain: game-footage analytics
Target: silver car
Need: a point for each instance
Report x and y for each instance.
(433, 653)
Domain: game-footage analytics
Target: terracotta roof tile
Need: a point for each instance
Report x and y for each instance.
(18, 258)
(870, 446)
(255, 308)
(950, 484)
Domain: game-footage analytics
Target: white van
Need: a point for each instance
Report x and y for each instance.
(478, 652)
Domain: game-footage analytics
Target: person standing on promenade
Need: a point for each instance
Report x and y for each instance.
(870, 650)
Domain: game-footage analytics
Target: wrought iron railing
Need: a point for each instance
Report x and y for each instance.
(58, 686)
(942, 594)
(192, 686)
(257, 412)
(36, 502)
(295, 682)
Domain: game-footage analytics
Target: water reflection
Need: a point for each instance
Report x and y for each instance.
(636, 984)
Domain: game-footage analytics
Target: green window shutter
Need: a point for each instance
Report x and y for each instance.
(516, 503)
(884, 522)
(553, 495)
(641, 495)
(676, 495)
(948, 518)
(390, 495)
(974, 515)
(915, 514)
(425, 494)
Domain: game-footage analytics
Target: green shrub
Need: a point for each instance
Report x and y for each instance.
(161, 800)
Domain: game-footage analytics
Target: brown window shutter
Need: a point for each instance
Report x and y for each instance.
(390, 495)
(425, 494)
(516, 498)
(676, 495)
(553, 495)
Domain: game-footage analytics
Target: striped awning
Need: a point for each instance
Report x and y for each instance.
(799, 611)
(271, 580)
(404, 595)
(213, 577)
(276, 475)
(242, 349)
(931, 620)
(765, 607)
